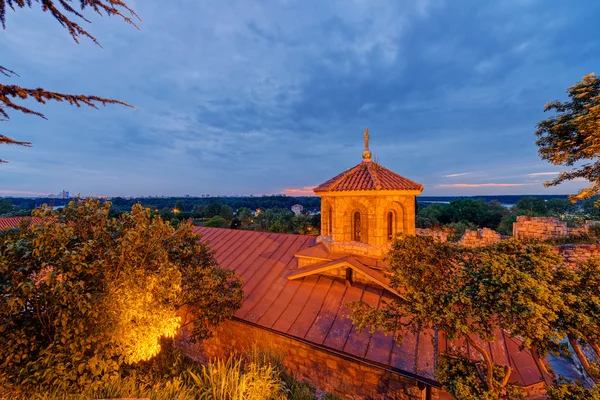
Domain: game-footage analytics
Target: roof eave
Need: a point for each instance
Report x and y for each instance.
(370, 192)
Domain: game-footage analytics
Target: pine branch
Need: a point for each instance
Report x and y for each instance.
(61, 10)
(7, 140)
(42, 96)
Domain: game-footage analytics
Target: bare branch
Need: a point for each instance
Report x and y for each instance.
(5, 71)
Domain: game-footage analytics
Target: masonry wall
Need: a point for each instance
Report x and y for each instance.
(326, 371)
(480, 237)
(539, 228)
(436, 233)
(547, 228)
(374, 211)
(574, 254)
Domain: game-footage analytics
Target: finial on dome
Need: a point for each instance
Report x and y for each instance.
(366, 153)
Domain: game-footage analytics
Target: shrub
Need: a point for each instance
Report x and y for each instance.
(83, 294)
(217, 222)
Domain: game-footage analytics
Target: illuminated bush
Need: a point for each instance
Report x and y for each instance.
(82, 293)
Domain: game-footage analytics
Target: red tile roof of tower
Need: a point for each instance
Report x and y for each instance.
(368, 175)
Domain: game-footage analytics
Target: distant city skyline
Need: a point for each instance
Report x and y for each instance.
(266, 98)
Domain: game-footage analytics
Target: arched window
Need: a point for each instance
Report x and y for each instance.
(390, 225)
(330, 222)
(356, 228)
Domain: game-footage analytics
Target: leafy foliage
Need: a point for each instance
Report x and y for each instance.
(216, 222)
(83, 294)
(471, 293)
(257, 375)
(573, 391)
(572, 134)
(465, 213)
(460, 378)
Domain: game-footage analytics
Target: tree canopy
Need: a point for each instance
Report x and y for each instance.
(64, 13)
(572, 135)
(471, 294)
(83, 294)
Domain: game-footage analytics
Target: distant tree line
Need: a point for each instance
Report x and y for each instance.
(189, 203)
(462, 214)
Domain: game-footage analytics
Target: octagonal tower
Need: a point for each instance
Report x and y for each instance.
(365, 206)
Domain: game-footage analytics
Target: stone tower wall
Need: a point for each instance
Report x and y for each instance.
(374, 210)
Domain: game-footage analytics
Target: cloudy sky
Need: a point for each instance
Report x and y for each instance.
(261, 97)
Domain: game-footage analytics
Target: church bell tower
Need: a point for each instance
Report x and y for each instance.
(364, 207)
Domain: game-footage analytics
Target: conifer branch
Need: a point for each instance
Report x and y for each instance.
(62, 9)
(42, 96)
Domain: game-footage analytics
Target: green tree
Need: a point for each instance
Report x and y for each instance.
(7, 208)
(166, 213)
(589, 208)
(533, 206)
(226, 212)
(429, 216)
(217, 222)
(580, 319)
(503, 287)
(245, 216)
(179, 206)
(276, 227)
(571, 136)
(199, 211)
(83, 294)
(560, 206)
(213, 209)
(459, 228)
(63, 12)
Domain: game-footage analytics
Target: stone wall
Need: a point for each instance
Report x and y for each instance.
(436, 233)
(587, 226)
(574, 254)
(480, 237)
(326, 371)
(541, 228)
(547, 228)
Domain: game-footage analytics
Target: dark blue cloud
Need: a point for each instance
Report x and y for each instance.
(257, 98)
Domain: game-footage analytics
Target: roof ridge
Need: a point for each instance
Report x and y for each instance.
(373, 172)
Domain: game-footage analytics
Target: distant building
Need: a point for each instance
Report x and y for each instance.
(297, 209)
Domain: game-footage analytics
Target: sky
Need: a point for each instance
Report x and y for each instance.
(262, 97)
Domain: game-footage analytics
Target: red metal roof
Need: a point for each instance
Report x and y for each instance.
(313, 308)
(15, 222)
(368, 175)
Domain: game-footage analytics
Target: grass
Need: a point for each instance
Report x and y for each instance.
(258, 375)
